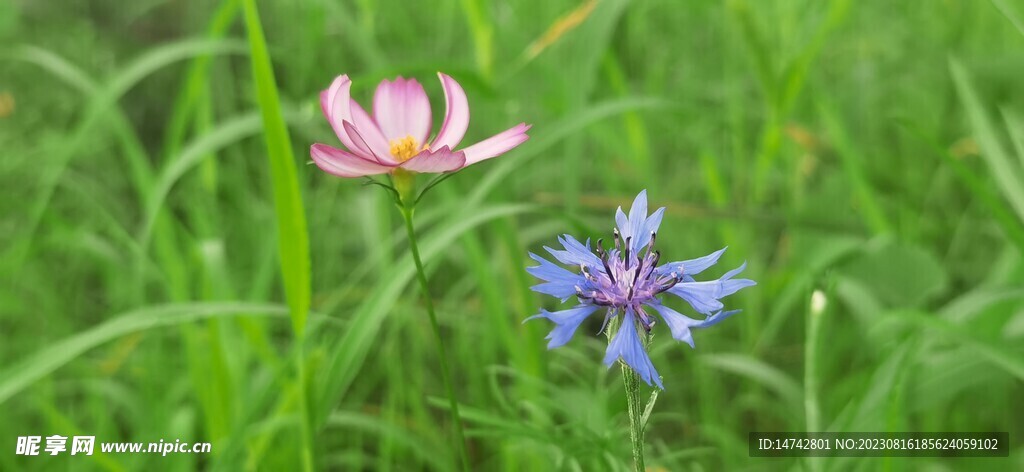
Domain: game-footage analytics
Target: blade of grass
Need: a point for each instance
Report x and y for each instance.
(227, 133)
(50, 358)
(561, 27)
(1011, 15)
(195, 81)
(421, 447)
(795, 74)
(1003, 170)
(138, 162)
(636, 130)
(77, 78)
(1005, 357)
(757, 47)
(483, 34)
(757, 370)
(981, 189)
(853, 166)
(1015, 127)
(99, 106)
(293, 239)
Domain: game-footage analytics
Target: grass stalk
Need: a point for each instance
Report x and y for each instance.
(293, 239)
(812, 409)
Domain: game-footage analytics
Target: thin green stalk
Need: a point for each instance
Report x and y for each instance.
(811, 406)
(638, 412)
(421, 275)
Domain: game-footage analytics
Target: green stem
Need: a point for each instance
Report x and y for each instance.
(429, 303)
(812, 409)
(635, 408)
(636, 413)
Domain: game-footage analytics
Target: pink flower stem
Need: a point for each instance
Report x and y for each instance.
(407, 210)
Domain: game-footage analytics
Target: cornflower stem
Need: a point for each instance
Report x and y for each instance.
(407, 211)
(637, 411)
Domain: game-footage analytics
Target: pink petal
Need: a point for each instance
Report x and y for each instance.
(440, 160)
(327, 96)
(335, 103)
(371, 135)
(357, 146)
(338, 107)
(384, 158)
(402, 108)
(344, 164)
(497, 144)
(456, 117)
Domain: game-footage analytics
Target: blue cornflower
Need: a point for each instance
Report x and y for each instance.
(627, 279)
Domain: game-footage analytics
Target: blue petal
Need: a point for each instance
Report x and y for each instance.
(677, 322)
(622, 222)
(692, 266)
(637, 217)
(566, 322)
(638, 226)
(704, 296)
(560, 283)
(716, 318)
(575, 252)
(681, 324)
(649, 226)
(550, 272)
(626, 345)
(730, 286)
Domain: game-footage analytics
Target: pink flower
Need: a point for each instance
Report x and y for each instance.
(397, 134)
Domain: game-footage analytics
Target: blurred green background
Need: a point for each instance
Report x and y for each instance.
(869, 150)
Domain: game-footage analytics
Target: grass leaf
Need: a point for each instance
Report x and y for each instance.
(52, 357)
(293, 240)
(1003, 169)
(1010, 14)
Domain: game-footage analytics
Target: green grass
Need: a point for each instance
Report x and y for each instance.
(163, 236)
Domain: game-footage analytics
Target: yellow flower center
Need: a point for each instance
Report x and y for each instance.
(405, 148)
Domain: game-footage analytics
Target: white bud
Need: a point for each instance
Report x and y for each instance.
(818, 302)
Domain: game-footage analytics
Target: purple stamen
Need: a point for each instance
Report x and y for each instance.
(607, 270)
(654, 263)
